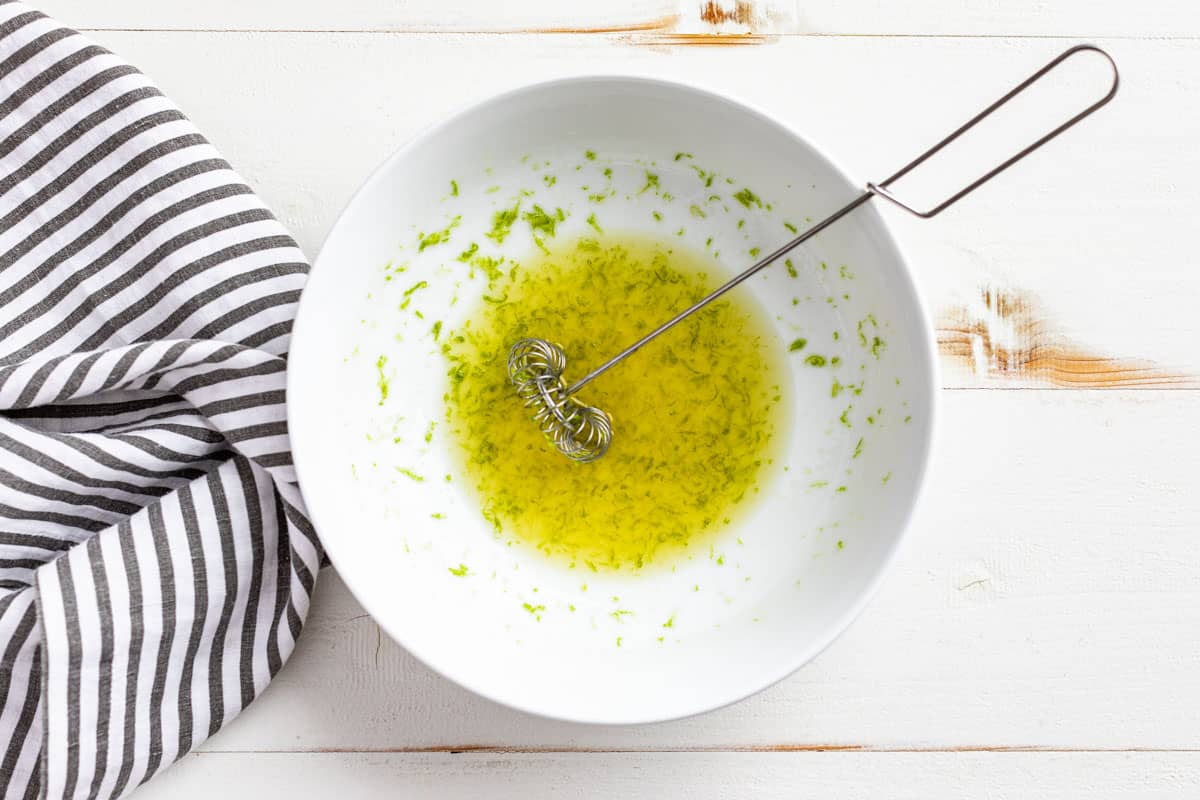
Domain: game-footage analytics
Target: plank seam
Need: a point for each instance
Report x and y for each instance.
(780, 748)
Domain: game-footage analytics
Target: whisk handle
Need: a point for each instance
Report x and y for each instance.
(882, 189)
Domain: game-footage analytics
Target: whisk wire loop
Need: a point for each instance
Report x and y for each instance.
(580, 432)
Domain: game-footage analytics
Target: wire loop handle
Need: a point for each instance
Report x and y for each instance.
(882, 190)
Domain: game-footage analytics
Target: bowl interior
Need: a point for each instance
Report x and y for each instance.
(525, 631)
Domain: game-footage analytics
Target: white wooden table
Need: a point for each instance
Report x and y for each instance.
(1040, 636)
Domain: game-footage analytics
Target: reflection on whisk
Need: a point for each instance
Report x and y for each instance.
(580, 432)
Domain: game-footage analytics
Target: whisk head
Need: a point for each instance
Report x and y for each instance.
(580, 432)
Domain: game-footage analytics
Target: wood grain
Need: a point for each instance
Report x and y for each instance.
(723, 776)
(1090, 226)
(1008, 335)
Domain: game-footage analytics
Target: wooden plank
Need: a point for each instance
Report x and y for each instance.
(1078, 246)
(380, 15)
(765, 776)
(1172, 18)
(1049, 596)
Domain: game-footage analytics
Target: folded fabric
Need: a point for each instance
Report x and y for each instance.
(156, 564)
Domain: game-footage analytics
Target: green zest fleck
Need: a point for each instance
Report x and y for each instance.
(549, 180)
(533, 609)
(858, 448)
(887, 478)
(845, 417)
(697, 211)
(791, 268)
(747, 198)
(754, 251)
(591, 220)
(651, 183)
(460, 570)
(798, 344)
(429, 433)
(836, 389)
(790, 227)
(542, 222)
(875, 344)
(437, 237)
(590, 155)
(841, 545)
(408, 473)
(491, 266)
(454, 188)
(657, 216)
(815, 360)
(670, 623)
(409, 292)
(437, 330)
(502, 222)
(679, 156)
(465, 255)
(383, 381)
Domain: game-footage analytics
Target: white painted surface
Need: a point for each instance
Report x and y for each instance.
(1049, 595)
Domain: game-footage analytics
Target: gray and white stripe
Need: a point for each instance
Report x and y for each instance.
(156, 564)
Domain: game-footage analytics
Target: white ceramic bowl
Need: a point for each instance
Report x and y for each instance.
(795, 570)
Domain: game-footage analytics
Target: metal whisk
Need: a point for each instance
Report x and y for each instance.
(583, 433)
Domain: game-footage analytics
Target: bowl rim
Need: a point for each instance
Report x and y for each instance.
(916, 305)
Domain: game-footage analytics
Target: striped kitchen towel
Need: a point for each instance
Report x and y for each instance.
(156, 564)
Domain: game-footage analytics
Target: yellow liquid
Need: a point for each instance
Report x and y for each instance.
(696, 412)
